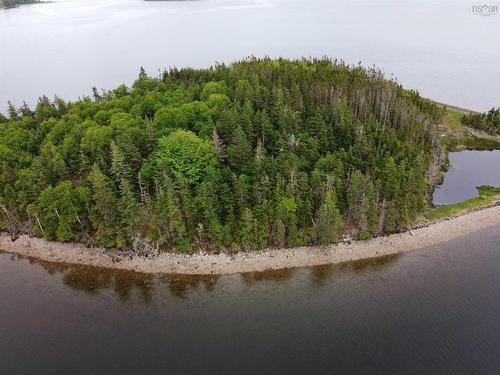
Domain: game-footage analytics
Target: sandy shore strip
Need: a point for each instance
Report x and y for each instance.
(199, 263)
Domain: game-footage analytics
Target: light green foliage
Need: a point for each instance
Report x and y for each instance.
(189, 116)
(50, 165)
(185, 156)
(60, 211)
(211, 88)
(95, 144)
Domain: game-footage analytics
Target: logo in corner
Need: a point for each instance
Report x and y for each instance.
(485, 10)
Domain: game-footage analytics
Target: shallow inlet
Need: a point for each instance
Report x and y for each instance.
(468, 169)
(429, 311)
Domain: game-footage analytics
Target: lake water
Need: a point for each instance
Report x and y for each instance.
(433, 311)
(468, 169)
(438, 47)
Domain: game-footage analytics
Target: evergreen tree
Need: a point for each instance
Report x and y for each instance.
(280, 234)
(391, 218)
(168, 222)
(208, 206)
(373, 213)
(248, 229)
(130, 213)
(239, 152)
(106, 203)
(12, 111)
(355, 196)
(390, 178)
(121, 171)
(329, 220)
(50, 165)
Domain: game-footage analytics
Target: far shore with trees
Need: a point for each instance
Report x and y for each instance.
(488, 122)
(14, 3)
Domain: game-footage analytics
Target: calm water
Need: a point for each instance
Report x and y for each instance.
(468, 170)
(427, 312)
(438, 47)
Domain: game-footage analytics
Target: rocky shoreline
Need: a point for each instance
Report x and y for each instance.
(224, 263)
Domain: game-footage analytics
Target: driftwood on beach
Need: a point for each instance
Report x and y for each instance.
(225, 263)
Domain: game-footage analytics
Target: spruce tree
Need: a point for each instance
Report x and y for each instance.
(121, 171)
(390, 179)
(248, 227)
(329, 220)
(130, 213)
(391, 218)
(355, 195)
(105, 220)
(280, 234)
(373, 214)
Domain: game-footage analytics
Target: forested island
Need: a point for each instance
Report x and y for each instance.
(259, 153)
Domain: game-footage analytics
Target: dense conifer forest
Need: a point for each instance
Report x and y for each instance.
(488, 122)
(249, 155)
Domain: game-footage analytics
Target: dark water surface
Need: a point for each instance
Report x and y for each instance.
(468, 169)
(426, 312)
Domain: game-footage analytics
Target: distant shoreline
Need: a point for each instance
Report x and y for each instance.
(434, 233)
(453, 107)
(16, 5)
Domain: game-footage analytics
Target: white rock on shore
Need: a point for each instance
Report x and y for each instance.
(223, 263)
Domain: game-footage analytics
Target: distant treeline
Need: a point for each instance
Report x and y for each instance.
(258, 153)
(13, 3)
(488, 121)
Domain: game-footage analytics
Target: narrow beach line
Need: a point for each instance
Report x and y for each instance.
(440, 231)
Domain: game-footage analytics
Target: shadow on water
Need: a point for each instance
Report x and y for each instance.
(320, 275)
(252, 278)
(432, 311)
(180, 285)
(125, 284)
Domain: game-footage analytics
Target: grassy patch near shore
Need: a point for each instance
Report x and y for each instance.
(459, 137)
(487, 195)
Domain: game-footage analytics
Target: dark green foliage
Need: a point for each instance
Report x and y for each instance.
(488, 122)
(258, 153)
(329, 220)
